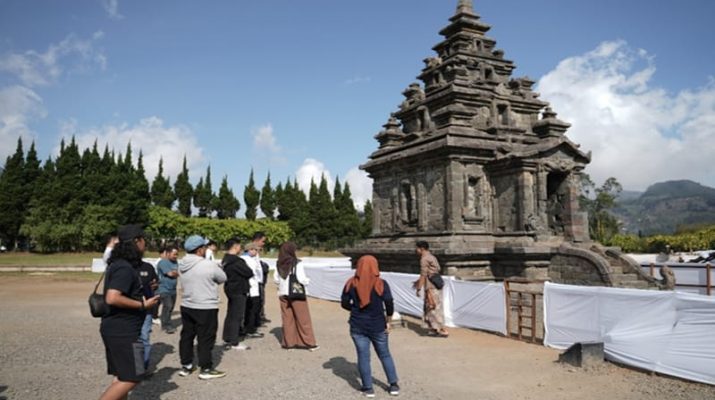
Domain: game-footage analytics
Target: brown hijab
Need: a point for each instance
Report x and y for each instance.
(367, 277)
(286, 259)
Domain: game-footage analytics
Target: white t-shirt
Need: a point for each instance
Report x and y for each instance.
(283, 283)
(255, 266)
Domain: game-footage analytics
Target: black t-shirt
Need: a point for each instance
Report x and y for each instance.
(147, 274)
(123, 322)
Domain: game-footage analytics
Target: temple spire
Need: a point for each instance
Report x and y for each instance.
(465, 7)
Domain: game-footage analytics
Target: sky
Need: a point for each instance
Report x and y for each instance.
(299, 88)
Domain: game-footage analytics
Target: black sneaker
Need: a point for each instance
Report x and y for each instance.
(369, 393)
(187, 370)
(394, 390)
(211, 374)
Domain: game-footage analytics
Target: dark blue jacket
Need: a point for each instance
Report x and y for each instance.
(372, 317)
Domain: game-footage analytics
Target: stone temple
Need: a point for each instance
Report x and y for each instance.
(475, 163)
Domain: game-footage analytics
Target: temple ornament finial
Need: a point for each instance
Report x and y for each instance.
(465, 7)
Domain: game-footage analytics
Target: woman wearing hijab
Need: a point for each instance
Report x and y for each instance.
(369, 300)
(295, 315)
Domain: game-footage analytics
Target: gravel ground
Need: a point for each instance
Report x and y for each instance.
(51, 349)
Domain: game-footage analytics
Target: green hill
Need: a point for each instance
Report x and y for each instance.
(665, 206)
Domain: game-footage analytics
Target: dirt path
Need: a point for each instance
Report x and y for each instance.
(50, 348)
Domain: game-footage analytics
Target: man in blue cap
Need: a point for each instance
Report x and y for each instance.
(199, 280)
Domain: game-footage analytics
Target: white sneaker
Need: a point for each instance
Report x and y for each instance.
(240, 346)
(156, 321)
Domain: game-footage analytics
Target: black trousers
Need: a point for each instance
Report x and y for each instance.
(235, 315)
(253, 315)
(262, 313)
(202, 324)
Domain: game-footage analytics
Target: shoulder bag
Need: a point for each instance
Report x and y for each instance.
(97, 305)
(296, 290)
(437, 280)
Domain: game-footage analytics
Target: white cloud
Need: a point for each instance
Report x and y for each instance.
(18, 106)
(112, 9)
(40, 69)
(638, 132)
(313, 169)
(265, 145)
(360, 183)
(264, 139)
(360, 186)
(153, 138)
(356, 80)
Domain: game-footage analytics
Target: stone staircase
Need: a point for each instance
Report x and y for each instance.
(624, 271)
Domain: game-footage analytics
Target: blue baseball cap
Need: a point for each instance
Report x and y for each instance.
(193, 242)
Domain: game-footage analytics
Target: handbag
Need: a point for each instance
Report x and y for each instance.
(296, 290)
(97, 305)
(437, 280)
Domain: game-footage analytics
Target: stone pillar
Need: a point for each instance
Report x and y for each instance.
(575, 221)
(422, 212)
(526, 199)
(543, 198)
(453, 191)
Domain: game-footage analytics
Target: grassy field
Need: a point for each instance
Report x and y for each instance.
(48, 260)
(63, 276)
(85, 259)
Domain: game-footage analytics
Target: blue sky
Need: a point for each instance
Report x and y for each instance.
(300, 87)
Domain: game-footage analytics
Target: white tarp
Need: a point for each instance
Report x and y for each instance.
(478, 305)
(667, 332)
(99, 266)
(325, 282)
(469, 304)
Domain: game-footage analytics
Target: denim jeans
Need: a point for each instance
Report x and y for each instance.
(145, 338)
(167, 306)
(362, 340)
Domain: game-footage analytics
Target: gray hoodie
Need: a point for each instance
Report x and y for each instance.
(199, 281)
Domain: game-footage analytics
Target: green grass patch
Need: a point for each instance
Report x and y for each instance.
(53, 276)
(48, 260)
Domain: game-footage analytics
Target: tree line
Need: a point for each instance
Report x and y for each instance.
(73, 202)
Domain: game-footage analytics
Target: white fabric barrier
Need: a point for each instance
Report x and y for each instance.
(666, 332)
(468, 304)
(326, 283)
(99, 266)
(478, 305)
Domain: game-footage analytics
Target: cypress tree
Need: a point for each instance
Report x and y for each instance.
(278, 197)
(184, 191)
(226, 204)
(252, 197)
(11, 197)
(268, 200)
(322, 217)
(161, 193)
(139, 194)
(198, 190)
(284, 200)
(204, 196)
(294, 210)
(367, 220)
(349, 221)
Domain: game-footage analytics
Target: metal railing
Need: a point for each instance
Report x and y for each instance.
(707, 285)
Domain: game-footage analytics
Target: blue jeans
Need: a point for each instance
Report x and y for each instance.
(145, 339)
(362, 340)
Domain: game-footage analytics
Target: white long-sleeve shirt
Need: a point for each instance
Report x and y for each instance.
(283, 283)
(255, 266)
